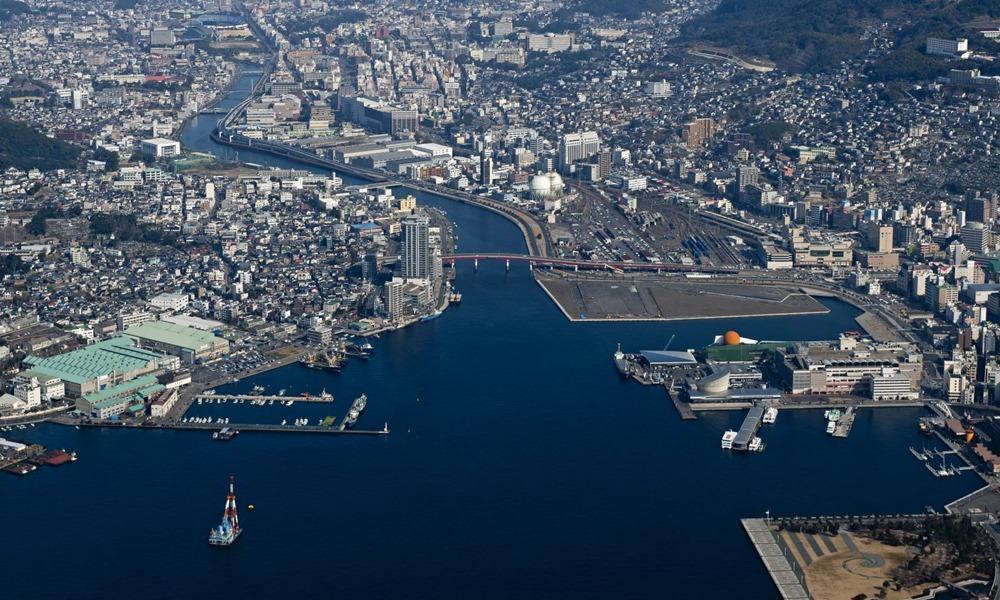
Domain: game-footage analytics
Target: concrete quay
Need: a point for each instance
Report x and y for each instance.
(786, 575)
(35, 416)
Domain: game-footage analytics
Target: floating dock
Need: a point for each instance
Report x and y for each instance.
(749, 428)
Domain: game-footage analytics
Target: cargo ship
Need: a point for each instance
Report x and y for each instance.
(227, 531)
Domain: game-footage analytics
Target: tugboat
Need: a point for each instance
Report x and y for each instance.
(227, 531)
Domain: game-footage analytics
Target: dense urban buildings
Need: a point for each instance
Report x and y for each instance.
(192, 192)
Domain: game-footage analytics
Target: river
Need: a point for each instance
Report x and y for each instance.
(519, 466)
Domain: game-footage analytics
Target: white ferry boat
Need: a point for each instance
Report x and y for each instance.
(727, 439)
(831, 426)
(756, 445)
(770, 415)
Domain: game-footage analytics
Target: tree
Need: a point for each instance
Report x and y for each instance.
(10, 264)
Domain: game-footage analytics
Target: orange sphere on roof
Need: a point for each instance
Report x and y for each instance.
(731, 338)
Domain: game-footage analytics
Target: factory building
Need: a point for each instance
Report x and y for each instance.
(190, 344)
(98, 366)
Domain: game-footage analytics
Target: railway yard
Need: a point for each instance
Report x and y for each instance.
(670, 232)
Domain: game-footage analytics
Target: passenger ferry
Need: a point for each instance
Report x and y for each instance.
(727, 439)
(770, 415)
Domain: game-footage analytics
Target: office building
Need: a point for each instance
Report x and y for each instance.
(952, 48)
(977, 237)
(160, 147)
(549, 42)
(879, 237)
(980, 209)
(173, 302)
(849, 367)
(319, 335)
(377, 117)
(486, 169)
(369, 267)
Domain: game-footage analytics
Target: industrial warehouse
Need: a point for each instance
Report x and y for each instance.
(191, 345)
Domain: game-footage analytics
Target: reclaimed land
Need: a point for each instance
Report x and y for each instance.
(583, 298)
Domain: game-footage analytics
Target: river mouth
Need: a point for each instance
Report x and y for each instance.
(519, 465)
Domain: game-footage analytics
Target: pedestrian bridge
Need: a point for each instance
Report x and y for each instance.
(580, 263)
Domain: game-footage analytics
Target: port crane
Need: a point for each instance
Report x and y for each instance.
(670, 341)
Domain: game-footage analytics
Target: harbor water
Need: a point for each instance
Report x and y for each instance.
(519, 464)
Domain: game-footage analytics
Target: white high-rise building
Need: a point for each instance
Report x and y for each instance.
(416, 247)
(574, 147)
(393, 297)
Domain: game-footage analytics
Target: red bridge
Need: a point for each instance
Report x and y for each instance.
(580, 263)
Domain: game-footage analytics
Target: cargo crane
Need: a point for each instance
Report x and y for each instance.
(670, 341)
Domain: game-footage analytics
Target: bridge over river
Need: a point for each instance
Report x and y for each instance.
(581, 263)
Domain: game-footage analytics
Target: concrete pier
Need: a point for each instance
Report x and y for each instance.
(252, 397)
(243, 427)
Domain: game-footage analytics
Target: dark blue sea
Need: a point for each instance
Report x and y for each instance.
(519, 466)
